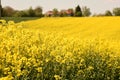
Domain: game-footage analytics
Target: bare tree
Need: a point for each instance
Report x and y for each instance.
(86, 11)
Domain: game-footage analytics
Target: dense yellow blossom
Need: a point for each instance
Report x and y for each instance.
(53, 49)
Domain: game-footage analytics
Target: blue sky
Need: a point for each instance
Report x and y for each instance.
(96, 6)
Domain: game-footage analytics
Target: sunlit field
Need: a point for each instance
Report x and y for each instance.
(60, 49)
(105, 27)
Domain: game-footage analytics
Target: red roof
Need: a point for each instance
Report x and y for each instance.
(49, 12)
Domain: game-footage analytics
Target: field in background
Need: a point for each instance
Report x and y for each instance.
(60, 49)
(104, 27)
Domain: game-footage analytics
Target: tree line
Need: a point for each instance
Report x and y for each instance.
(38, 12)
(10, 12)
(77, 12)
(115, 12)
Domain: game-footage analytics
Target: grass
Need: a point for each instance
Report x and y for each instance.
(19, 19)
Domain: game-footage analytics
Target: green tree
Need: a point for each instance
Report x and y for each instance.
(31, 12)
(108, 13)
(63, 13)
(116, 11)
(21, 14)
(78, 12)
(55, 12)
(86, 11)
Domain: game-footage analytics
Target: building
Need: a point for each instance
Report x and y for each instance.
(49, 13)
(68, 12)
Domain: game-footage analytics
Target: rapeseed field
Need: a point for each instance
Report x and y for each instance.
(89, 27)
(60, 49)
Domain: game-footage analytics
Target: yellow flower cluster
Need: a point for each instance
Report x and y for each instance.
(34, 55)
(89, 27)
